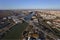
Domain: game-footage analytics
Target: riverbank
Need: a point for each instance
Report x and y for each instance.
(15, 31)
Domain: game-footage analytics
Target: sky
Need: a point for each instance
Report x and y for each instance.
(29, 4)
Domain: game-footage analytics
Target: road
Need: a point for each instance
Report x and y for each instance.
(45, 26)
(45, 32)
(6, 29)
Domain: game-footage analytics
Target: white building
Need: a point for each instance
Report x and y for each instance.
(4, 18)
(16, 20)
(48, 16)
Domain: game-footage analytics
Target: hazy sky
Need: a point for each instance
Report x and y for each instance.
(29, 4)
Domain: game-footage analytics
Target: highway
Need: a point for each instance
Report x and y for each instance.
(6, 29)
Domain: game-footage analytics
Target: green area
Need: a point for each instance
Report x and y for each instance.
(57, 32)
(16, 31)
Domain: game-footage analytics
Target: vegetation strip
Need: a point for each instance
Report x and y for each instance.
(15, 31)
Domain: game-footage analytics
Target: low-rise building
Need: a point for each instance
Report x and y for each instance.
(16, 20)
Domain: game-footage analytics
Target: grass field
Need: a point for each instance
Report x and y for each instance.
(15, 31)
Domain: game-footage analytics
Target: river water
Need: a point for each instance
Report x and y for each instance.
(28, 17)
